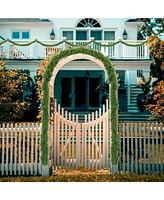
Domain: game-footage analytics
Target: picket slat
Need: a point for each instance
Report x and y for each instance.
(89, 143)
(28, 148)
(20, 149)
(23, 170)
(92, 141)
(157, 145)
(69, 145)
(132, 150)
(123, 147)
(15, 152)
(161, 150)
(144, 130)
(140, 147)
(65, 140)
(11, 151)
(136, 149)
(96, 144)
(85, 139)
(62, 136)
(152, 146)
(148, 148)
(3, 149)
(36, 148)
(100, 159)
(127, 133)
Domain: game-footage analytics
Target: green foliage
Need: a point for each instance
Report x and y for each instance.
(113, 99)
(11, 89)
(72, 45)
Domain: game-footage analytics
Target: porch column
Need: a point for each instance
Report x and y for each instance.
(120, 48)
(128, 86)
(35, 48)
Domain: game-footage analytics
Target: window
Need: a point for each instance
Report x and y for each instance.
(88, 22)
(25, 35)
(20, 34)
(15, 35)
(109, 35)
(68, 35)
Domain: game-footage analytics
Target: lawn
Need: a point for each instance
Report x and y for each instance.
(86, 176)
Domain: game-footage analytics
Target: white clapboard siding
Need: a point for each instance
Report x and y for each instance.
(20, 146)
(141, 148)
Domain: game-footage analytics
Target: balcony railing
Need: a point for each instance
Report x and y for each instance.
(42, 48)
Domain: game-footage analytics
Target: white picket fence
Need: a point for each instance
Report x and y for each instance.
(20, 149)
(141, 147)
(76, 144)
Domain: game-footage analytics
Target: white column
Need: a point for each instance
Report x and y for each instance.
(119, 48)
(64, 44)
(7, 49)
(128, 86)
(92, 45)
(35, 48)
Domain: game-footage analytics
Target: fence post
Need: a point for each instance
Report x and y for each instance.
(47, 169)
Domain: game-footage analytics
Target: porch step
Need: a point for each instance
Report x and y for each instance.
(134, 92)
(135, 117)
(123, 117)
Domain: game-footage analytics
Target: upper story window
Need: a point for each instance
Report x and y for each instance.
(68, 35)
(18, 34)
(88, 22)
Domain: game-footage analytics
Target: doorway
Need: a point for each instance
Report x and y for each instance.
(80, 93)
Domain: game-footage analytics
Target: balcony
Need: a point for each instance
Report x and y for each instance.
(39, 49)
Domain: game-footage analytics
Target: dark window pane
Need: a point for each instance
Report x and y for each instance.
(66, 92)
(15, 35)
(93, 94)
(81, 35)
(96, 35)
(68, 35)
(25, 35)
(109, 35)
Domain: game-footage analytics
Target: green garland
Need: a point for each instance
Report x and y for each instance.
(75, 45)
(46, 98)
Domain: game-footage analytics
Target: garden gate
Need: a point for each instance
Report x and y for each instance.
(77, 144)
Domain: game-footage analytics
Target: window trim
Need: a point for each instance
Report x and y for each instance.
(20, 34)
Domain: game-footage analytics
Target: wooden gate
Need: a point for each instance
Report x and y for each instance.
(75, 143)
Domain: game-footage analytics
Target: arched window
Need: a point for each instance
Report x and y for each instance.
(88, 27)
(88, 22)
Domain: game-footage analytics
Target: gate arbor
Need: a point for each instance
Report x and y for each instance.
(77, 144)
(79, 132)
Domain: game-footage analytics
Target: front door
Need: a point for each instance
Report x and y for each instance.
(86, 96)
(79, 93)
(66, 93)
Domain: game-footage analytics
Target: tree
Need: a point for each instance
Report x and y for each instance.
(154, 30)
(11, 90)
(157, 108)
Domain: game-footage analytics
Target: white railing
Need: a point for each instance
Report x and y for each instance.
(38, 51)
(141, 148)
(20, 149)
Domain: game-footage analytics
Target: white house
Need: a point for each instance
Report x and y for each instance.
(76, 81)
